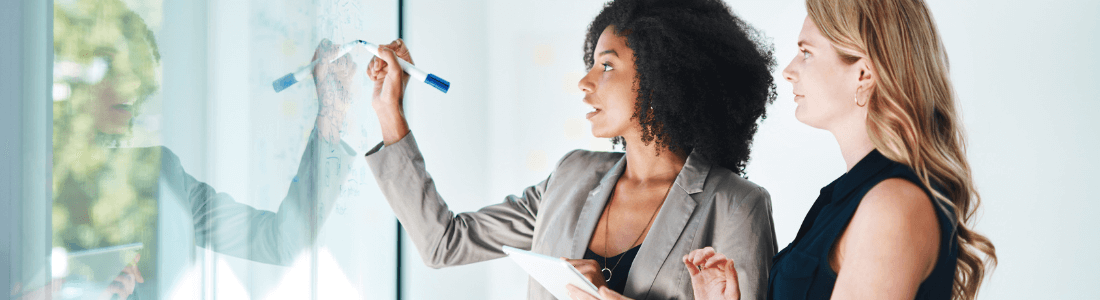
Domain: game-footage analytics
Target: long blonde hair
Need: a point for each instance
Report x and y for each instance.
(911, 114)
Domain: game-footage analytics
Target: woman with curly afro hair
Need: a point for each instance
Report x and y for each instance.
(681, 85)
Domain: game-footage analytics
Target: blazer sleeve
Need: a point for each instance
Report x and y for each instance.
(443, 237)
(748, 237)
(229, 227)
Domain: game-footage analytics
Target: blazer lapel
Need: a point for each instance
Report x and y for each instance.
(667, 228)
(593, 209)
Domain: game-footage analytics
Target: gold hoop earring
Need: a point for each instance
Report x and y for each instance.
(856, 98)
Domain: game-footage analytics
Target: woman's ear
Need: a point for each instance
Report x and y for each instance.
(867, 77)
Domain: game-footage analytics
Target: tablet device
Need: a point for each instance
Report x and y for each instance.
(91, 271)
(552, 273)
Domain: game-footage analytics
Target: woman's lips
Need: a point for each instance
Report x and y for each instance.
(123, 107)
(122, 110)
(590, 114)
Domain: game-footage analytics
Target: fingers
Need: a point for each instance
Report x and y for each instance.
(399, 48)
(134, 273)
(137, 272)
(326, 51)
(126, 281)
(608, 294)
(699, 257)
(322, 49)
(716, 260)
(734, 290)
(692, 269)
(376, 70)
(379, 67)
(388, 55)
(589, 268)
(328, 65)
(578, 294)
(583, 265)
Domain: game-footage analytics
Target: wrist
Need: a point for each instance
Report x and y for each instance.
(394, 126)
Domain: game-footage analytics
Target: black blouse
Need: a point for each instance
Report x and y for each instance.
(620, 265)
(802, 270)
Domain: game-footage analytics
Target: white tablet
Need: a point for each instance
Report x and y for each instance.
(553, 273)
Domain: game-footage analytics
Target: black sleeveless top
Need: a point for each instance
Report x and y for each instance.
(802, 270)
(621, 263)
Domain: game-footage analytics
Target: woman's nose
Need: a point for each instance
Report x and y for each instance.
(788, 72)
(586, 84)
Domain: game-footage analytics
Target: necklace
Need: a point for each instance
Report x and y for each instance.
(607, 273)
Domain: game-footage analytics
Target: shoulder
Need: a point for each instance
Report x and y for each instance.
(171, 169)
(168, 159)
(581, 156)
(587, 161)
(895, 219)
(733, 191)
(166, 154)
(896, 200)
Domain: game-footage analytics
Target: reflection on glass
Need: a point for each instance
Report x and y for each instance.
(106, 66)
(112, 190)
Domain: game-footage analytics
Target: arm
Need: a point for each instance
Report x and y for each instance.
(889, 247)
(750, 243)
(442, 237)
(229, 227)
(748, 240)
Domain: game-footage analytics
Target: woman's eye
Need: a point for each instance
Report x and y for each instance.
(607, 67)
(805, 54)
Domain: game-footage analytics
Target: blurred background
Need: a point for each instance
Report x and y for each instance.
(1025, 72)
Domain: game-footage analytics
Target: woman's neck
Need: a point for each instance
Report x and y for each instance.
(854, 142)
(647, 163)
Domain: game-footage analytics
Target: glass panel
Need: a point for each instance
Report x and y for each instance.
(179, 172)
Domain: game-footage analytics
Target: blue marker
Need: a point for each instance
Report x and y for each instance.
(432, 80)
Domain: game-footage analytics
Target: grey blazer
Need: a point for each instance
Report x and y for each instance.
(707, 206)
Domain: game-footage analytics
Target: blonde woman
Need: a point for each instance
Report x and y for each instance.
(895, 226)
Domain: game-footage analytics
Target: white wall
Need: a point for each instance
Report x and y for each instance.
(1025, 74)
(448, 38)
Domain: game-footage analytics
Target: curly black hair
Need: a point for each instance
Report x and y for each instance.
(706, 74)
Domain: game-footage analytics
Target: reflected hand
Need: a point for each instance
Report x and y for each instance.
(389, 89)
(124, 284)
(590, 269)
(605, 294)
(713, 276)
(334, 89)
(45, 292)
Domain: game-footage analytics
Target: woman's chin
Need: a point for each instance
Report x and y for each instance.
(114, 128)
(601, 134)
(809, 121)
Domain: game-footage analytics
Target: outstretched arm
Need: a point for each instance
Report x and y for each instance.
(443, 237)
(229, 227)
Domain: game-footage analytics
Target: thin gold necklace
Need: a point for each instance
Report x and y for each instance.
(606, 239)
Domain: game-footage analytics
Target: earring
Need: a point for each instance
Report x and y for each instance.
(856, 98)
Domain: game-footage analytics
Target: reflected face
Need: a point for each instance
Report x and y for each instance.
(824, 85)
(114, 97)
(111, 110)
(610, 87)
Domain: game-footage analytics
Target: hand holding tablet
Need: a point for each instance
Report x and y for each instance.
(552, 273)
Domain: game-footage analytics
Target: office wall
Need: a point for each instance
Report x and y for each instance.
(1024, 73)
